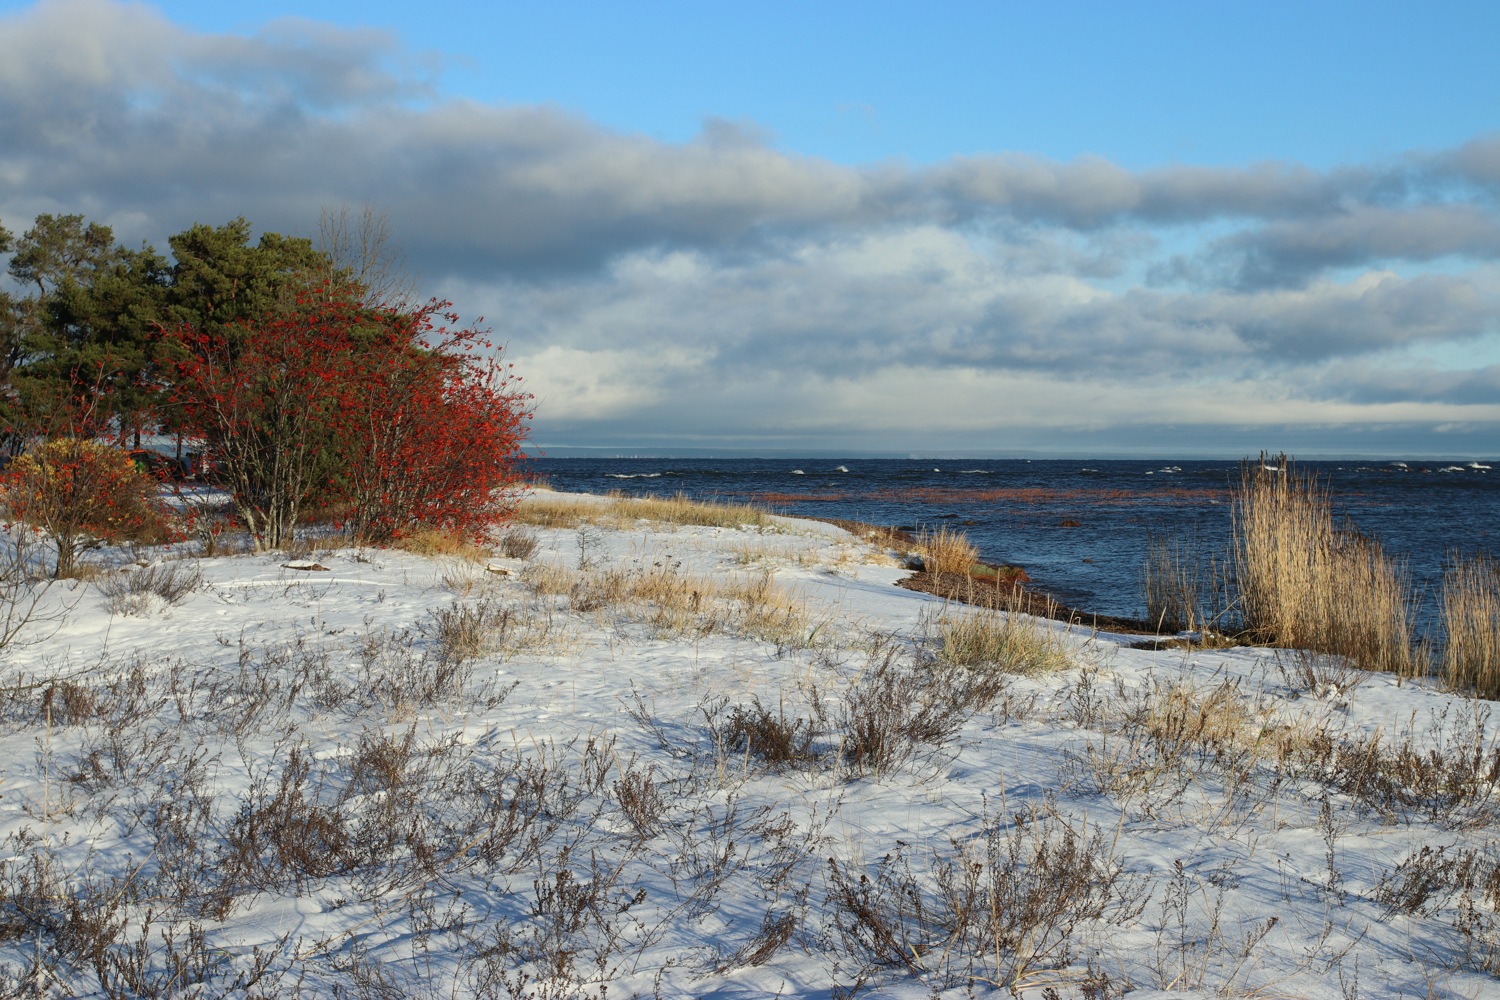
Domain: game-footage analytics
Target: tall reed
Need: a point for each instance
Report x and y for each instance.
(1303, 582)
(1471, 618)
(1172, 576)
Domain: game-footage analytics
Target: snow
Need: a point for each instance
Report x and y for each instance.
(651, 854)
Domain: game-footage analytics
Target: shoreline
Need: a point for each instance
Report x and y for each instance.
(1002, 588)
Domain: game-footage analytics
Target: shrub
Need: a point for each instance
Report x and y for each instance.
(899, 711)
(378, 411)
(83, 494)
(772, 737)
(130, 591)
(434, 432)
(994, 908)
(516, 544)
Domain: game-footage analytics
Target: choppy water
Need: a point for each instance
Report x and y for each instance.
(1080, 528)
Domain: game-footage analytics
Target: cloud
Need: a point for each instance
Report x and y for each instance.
(1362, 384)
(728, 288)
(1293, 252)
(1475, 162)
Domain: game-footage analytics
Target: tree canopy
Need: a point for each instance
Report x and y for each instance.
(306, 371)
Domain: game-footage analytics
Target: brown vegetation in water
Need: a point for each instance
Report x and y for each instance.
(1042, 495)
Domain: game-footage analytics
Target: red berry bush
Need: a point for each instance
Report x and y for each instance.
(388, 415)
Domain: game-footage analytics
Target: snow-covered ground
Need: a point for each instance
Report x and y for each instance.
(657, 759)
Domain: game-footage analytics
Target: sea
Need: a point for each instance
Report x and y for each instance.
(1080, 528)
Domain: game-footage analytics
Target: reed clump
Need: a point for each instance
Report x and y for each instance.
(1304, 582)
(1173, 580)
(947, 551)
(1471, 619)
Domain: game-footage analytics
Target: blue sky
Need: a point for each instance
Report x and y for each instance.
(967, 228)
(1142, 84)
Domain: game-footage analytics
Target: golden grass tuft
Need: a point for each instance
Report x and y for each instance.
(1471, 618)
(1008, 640)
(947, 551)
(1305, 583)
(434, 542)
(1183, 714)
(680, 510)
(674, 603)
(553, 512)
(617, 511)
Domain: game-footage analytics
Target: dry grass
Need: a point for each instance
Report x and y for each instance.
(620, 511)
(947, 551)
(676, 603)
(1471, 617)
(1009, 640)
(1305, 583)
(432, 542)
(309, 543)
(838, 556)
(551, 511)
(681, 510)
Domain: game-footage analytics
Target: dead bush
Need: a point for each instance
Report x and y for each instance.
(398, 675)
(1448, 777)
(129, 591)
(899, 711)
(1461, 886)
(774, 739)
(68, 703)
(1321, 675)
(642, 799)
(517, 544)
(994, 908)
(284, 837)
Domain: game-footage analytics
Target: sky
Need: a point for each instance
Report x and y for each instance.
(967, 229)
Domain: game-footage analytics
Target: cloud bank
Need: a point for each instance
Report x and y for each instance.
(727, 294)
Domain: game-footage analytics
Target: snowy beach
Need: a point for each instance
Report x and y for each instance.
(640, 756)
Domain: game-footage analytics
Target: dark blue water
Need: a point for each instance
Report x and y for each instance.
(1079, 528)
